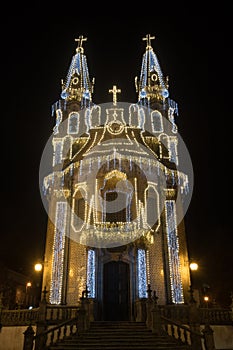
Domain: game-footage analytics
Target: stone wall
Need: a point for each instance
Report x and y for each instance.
(12, 337)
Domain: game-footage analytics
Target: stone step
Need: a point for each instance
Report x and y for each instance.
(126, 335)
(112, 347)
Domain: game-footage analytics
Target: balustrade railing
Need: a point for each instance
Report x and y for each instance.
(19, 317)
(216, 316)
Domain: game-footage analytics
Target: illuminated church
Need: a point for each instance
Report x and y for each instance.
(115, 195)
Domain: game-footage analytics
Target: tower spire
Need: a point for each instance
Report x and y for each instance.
(77, 85)
(152, 85)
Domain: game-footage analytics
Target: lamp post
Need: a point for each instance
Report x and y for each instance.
(193, 266)
(38, 267)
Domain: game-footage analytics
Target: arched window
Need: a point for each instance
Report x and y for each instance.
(152, 206)
(78, 210)
(73, 123)
(157, 121)
(164, 146)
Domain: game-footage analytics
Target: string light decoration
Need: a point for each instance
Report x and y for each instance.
(91, 275)
(58, 253)
(173, 253)
(142, 273)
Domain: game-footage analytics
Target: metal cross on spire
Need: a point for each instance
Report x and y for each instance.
(148, 38)
(114, 91)
(80, 43)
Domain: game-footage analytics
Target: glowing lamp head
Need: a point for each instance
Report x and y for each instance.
(206, 298)
(29, 284)
(38, 267)
(193, 266)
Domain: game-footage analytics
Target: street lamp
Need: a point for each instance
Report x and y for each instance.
(38, 267)
(193, 266)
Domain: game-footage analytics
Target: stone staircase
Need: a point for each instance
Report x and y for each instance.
(122, 335)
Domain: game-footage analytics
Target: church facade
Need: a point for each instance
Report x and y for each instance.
(115, 195)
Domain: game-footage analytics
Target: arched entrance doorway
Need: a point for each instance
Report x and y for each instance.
(116, 291)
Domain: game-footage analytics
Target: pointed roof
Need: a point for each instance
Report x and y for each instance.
(151, 84)
(77, 85)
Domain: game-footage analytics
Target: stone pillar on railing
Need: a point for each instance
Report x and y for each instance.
(194, 322)
(149, 305)
(140, 310)
(156, 317)
(82, 316)
(28, 338)
(41, 324)
(208, 337)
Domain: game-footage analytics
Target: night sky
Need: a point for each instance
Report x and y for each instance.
(33, 62)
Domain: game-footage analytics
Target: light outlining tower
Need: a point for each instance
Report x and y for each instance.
(115, 196)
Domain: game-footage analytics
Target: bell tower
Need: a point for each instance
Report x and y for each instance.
(115, 195)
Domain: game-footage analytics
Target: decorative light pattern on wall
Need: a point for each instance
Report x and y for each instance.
(58, 253)
(173, 253)
(142, 273)
(91, 273)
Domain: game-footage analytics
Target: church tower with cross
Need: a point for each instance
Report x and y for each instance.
(115, 196)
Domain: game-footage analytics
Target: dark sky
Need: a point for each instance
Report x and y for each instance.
(35, 59)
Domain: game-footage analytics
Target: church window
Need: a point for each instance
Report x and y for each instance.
(173, 152)
(79, 210)
(157, 121)
(67, 147)
(57, 155)
(152, 209)
(164, 146)
(73, 123)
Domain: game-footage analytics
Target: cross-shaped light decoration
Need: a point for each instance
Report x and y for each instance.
(148, 39)
(114, 91)
(80, 43)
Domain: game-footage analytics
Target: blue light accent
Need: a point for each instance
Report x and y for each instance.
(86, 95)
(91, 273)
(165, 93)
(143, 93)
(64, 94)
(142, 278)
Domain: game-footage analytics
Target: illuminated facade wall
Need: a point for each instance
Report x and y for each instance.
(158, 255)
